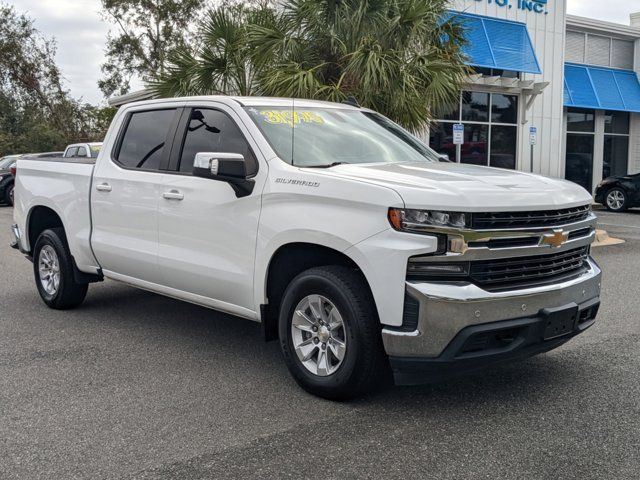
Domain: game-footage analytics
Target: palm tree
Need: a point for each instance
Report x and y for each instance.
(399, 57)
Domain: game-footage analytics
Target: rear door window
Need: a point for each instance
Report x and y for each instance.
(72, 152)
(211, 130)
(82, 152)
(143, 143)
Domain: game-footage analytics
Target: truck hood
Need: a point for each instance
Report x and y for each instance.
(470, 188)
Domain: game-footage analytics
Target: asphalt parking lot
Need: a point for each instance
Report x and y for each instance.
(135, 385)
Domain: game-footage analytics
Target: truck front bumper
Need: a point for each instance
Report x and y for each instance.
(462, 327)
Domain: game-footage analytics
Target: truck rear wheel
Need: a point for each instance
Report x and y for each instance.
(53, 270)
(330, 333)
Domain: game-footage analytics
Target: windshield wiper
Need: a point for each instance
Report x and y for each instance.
(328, 165)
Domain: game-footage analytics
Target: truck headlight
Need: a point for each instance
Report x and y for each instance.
(412, 220)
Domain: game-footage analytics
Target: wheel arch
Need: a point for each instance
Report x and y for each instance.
(39, 219)
(288, 261)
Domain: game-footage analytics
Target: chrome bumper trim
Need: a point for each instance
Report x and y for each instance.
(447, 309)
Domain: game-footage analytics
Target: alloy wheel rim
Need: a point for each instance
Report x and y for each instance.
(615, 199)
(49, 270)
(319, 335)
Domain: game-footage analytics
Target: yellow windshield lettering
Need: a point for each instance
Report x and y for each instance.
(289, 117)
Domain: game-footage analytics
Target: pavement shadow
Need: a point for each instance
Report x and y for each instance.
(188, 326)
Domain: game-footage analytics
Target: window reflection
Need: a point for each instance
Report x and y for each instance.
(475, 106)
(579, 120)
(616, 155)
(474, 149)
(616, 122)
(504, 108)
(490, 130)
(503, 146)
(579, 159)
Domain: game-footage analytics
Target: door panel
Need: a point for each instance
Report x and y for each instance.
(207, 235)
(126, 190)
(125, 221)
(207, 240)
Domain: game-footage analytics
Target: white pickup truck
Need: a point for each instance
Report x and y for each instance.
(328, 223)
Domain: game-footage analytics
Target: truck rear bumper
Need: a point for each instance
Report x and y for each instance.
(463, 327)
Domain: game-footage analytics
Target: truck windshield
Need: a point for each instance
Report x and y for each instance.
(317, 137)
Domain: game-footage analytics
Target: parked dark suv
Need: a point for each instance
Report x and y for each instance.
(619, 192)
(6, 179)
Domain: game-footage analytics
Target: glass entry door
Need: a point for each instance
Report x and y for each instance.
(581, 128)
(579, 159)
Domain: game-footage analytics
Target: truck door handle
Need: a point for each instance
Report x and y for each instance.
(173, 195)
(103, 187)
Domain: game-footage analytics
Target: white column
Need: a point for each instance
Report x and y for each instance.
(598, 149)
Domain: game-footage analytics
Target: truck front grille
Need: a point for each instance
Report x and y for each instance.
(545, 218)
(514, 273)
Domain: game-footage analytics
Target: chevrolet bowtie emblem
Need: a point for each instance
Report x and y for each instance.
(555, 239)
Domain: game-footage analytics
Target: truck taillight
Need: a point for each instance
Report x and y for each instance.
(13, 170)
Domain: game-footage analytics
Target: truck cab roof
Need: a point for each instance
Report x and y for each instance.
(250, 101)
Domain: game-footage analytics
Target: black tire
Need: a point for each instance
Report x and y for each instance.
(8, 195)
(365, 364)
(624, 204)
(69, 293)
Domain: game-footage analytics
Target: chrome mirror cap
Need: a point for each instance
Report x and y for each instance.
(211, 160)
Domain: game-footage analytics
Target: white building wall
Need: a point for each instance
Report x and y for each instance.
(634, 144)
(634, 139)
(547, 33)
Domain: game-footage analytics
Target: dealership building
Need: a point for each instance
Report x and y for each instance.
(552, 93)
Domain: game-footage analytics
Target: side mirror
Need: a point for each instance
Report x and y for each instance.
(225, 167)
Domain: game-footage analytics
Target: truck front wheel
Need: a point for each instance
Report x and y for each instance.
(53, 270)
(330, 333)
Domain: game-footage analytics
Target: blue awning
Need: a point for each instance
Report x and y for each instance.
(497, 43)
(601, 88)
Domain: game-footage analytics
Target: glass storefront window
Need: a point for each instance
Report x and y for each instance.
(616, 155)
(616, 122)
(504, 108)
(490, 130)
(475, 147)
(495, 72)
(579, 159)
(451, 112)
(503, 146)
(579, 120)
(441, 139)
(475, 106)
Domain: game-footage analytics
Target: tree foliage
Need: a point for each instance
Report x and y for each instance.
(36, 113)
(146, 32)
(399, 57)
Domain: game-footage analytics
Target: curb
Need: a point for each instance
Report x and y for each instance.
(604, 240)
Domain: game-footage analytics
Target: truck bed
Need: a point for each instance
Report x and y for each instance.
(63, 185)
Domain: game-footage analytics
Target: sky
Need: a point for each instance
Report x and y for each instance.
(80, 33)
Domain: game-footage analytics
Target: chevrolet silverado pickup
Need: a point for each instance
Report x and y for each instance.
(342, 233)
